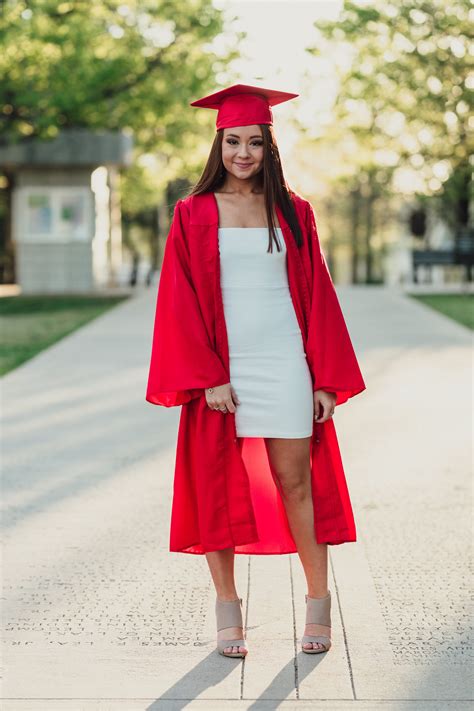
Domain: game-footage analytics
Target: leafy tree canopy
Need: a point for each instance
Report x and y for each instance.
(115, 64)
(405, 89)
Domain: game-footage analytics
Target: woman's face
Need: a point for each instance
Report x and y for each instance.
(242, 150)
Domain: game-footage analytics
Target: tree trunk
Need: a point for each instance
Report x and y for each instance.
(354, 232)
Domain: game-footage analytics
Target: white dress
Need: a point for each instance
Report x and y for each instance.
(268, 367)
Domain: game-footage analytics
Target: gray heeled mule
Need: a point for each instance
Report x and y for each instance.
(318, 612)
(229, 614)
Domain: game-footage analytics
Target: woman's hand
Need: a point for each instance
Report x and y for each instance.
(222, 398)
(328, 403)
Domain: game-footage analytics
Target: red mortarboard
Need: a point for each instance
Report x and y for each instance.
(243, 105)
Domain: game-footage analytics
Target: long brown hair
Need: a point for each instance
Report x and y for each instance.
(271, 179)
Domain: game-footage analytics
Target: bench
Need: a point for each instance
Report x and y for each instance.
(461, 254)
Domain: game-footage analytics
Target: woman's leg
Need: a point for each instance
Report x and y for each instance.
(221, 565)
(290, 462)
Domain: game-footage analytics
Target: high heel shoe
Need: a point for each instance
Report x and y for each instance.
(318, 612)
(229, 614)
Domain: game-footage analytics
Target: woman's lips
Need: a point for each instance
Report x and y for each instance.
(243, 165)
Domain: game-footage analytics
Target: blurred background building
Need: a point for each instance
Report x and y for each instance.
(65, 210)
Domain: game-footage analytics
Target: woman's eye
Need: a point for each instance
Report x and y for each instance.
(232, 142)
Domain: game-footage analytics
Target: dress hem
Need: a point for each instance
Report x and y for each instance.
(280, 435)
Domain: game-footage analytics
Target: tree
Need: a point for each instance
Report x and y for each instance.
(115, 64)
(109, 64)
(403, 104)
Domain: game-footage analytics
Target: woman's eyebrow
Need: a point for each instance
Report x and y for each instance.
(235, 135)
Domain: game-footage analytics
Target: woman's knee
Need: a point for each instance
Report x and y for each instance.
(295, 483)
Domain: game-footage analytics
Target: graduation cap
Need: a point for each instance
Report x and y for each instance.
(243, 105)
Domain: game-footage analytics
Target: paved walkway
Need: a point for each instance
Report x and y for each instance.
(99, 615)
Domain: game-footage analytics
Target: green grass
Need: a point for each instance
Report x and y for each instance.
(29, 324)
(459, 307)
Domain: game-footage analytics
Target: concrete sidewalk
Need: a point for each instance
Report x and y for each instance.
(97, 614)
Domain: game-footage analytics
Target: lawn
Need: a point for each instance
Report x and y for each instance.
(31, 323)
(459, 307)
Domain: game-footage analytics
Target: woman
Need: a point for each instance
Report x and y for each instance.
(250, 338)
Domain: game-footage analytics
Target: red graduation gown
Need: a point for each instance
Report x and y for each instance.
(225, 493)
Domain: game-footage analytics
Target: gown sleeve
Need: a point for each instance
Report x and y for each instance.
(329, 348)
(182, 361)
